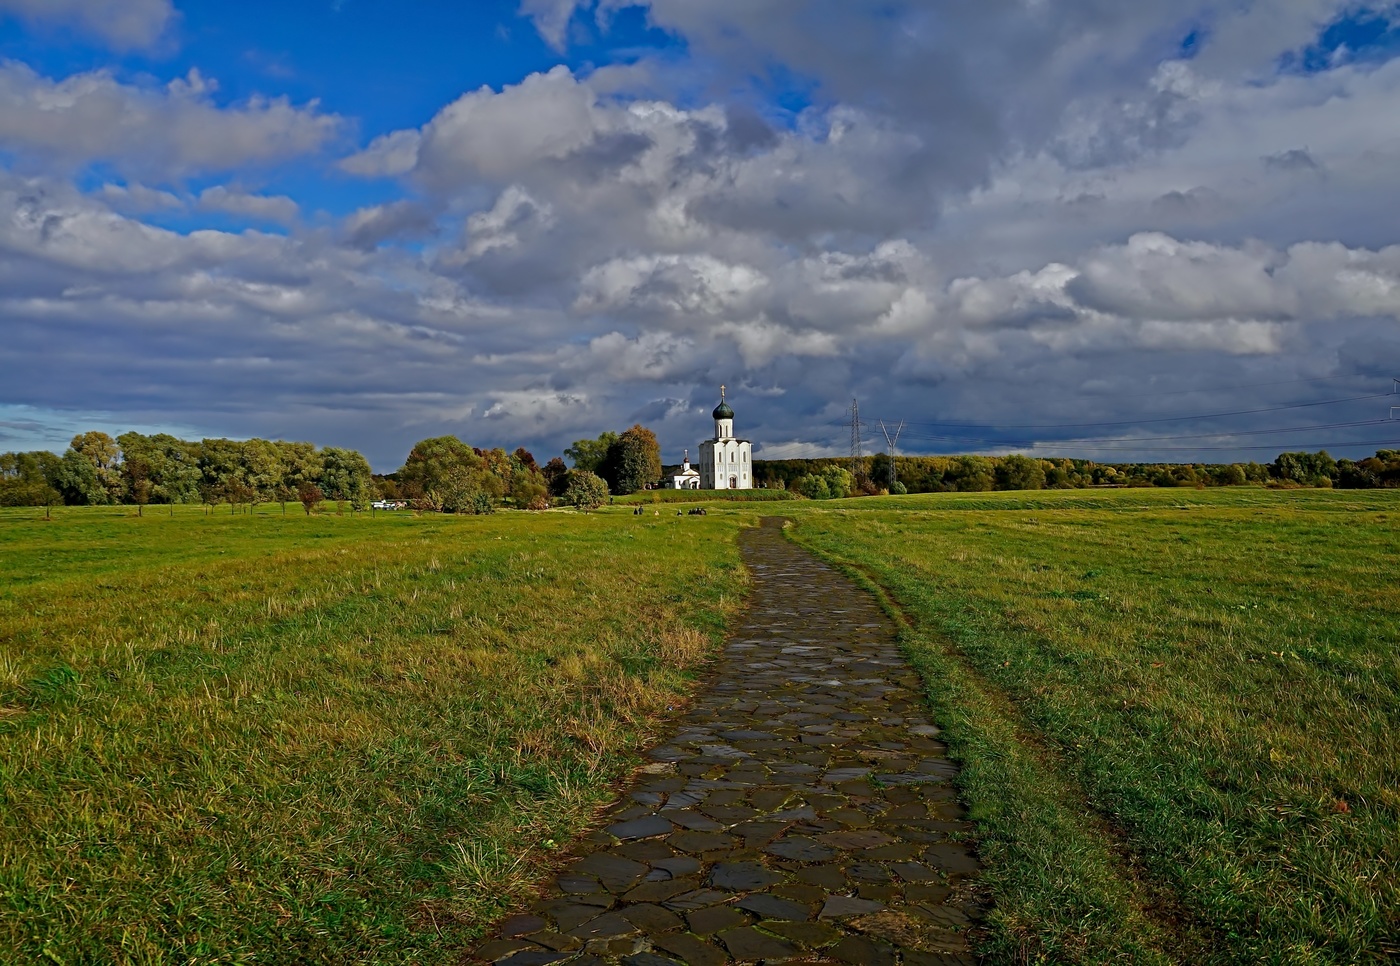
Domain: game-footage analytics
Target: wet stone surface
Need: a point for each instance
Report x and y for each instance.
(802, 812)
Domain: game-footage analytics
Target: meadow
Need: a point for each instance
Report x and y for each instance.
(283, 739)
(254, 737)
(1176, 711)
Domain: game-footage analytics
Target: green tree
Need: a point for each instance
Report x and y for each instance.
(434, 463)
(839, 482)
(78, 481)
(1305, 469)
(585, 490)
(346, 475)
(813, 487)
(1019, 472)
(634, 459)
(29, 479)
(971, 474)
(588, 454)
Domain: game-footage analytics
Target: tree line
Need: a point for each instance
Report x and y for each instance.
(822, 478)
(442, 473)
(97, 470)
(445, 474)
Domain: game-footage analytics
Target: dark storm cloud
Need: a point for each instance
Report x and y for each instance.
(999, 213)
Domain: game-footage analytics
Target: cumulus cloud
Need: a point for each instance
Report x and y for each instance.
(275, 208)
(123, 24)
(977, 209)
(165, 132)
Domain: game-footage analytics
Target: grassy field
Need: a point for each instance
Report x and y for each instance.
(257, 738)
(1177, 710)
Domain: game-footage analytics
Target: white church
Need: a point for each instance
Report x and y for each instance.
(726, 463)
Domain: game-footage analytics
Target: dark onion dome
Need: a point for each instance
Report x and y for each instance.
(722, 411)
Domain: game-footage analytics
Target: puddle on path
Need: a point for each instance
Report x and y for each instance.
(800, 814)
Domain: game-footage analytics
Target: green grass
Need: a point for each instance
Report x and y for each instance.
(257, 738)
(1176, 710)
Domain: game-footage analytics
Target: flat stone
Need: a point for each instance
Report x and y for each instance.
(842, 907)
(914, 872)
(747, 944)
(648, 959)
(677, 865)
(499, 949)
(771, 907)
(742, 876)
(580, 885)
(615, 872)
(641, 828)
(801, 849)
(650, 918)
(812, 934)
(862, 951)
(701, 841)
(534, 957)
(856, 839)
(692, 951)
(699, 899)
(520, 925)
(606, 926)
(715, 918)
(660, 891)
(687, 818)
(567, 914)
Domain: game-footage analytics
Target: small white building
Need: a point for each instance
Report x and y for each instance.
(688, 478)
(726, 463)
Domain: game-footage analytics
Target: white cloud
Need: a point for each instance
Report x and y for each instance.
(123, 24)
(167, 132)
(276, 208)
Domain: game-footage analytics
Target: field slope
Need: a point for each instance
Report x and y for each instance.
(1177, 711)
(256, 738)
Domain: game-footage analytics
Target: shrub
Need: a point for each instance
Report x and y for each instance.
(585, 490)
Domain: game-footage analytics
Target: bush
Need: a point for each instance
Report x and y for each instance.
(585, 490)
(462, 495)
(813, 487)
(899, 489)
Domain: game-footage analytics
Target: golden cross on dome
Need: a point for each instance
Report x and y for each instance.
(721, 392)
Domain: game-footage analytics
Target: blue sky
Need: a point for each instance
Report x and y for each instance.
(1072, 230)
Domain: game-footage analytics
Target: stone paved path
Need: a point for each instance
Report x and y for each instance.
(800, 814)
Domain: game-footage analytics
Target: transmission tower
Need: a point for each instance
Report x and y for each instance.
(855, 441)
(890, 444)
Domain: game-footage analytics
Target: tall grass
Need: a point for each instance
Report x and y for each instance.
(252, 738)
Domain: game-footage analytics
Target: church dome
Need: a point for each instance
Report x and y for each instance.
(722, 411)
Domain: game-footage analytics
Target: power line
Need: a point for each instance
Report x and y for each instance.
(1251, 385)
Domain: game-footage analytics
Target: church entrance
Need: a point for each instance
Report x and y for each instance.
(733, 482)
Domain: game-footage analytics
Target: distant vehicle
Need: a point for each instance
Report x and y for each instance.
(388, 505)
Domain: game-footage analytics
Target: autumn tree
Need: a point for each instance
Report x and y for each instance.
(310, 496)
(633, 461)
